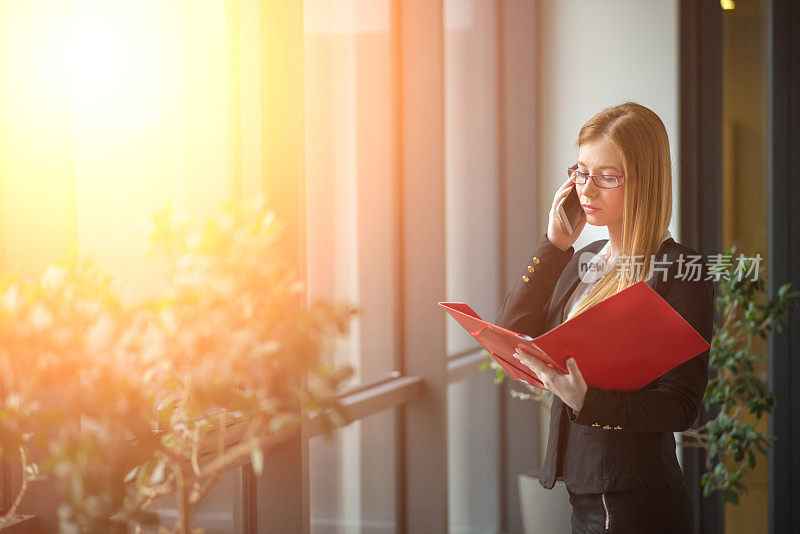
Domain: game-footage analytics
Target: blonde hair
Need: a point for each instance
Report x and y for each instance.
(640, 136)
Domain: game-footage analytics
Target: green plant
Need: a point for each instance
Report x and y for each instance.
(127, 402)
(241, 351)
(731, 446)
(72, 389)
(532, 393)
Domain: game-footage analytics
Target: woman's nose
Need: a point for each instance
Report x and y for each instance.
(589, 188)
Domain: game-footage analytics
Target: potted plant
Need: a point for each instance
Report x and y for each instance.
(129, 401)
(731, 446)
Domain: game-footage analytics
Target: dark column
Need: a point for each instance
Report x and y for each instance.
(700, 176)
(783, 195)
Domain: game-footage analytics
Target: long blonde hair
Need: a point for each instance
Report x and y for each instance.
(640, 136)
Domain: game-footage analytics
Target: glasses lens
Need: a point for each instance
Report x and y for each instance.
(607, 181)
(578, 177)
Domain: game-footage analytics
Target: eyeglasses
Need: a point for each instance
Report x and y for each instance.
(604, 181)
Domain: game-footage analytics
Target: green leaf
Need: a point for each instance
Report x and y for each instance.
(257, 460)
(131, 474)
(157, 476)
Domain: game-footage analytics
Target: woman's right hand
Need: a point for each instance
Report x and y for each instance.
(555, 231)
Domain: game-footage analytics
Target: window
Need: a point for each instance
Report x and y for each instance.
(472, 179)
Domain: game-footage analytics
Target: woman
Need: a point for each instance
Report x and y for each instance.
(616, 450)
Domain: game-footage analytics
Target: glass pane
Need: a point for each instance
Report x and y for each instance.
(133, 113)
(150, 127)
(471, 162)
(353, 478)
(351, 213)
(744, 202)
(473, 455)
(220, 512)
(116, 109)
(472, 235)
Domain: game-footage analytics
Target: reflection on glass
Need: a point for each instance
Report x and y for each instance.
(350, 185)
(472, 235)
(471, 161)
(220, 512)
(353, 478)
(744, 198)
(473, 455)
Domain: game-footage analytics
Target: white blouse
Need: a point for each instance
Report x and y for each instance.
(593, 271)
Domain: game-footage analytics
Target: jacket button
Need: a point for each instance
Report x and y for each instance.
(530, 268)
(536, 260)
(617, 427)
(607, 427)
(525, 278)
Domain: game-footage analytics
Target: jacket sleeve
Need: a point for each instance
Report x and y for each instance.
(675, 400)
(524, 308)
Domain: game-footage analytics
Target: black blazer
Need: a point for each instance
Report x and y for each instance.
(619, 440)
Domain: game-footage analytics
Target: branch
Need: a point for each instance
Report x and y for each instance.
(151, 493)
(696, 434)
(730, 314)
(695, 445)
(195, 447)
(13, 510)
(184, 510)
(223, 415)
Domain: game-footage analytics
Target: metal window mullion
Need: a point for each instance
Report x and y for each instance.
(421, 161)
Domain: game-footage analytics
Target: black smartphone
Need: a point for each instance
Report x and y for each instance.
(570, 211)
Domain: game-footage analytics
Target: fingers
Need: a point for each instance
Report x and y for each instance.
(538, 365)
(562, 192)
(534, 365)
(534, 350)
(574, 372)
(572, 366)
(570, 387)
(527, 359)
(544, 371)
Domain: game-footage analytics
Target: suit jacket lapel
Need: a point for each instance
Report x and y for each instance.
(570, 277)
(566, 285)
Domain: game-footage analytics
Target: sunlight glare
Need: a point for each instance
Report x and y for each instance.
(116, 64)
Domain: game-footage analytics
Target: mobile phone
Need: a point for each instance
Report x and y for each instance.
(570, 211)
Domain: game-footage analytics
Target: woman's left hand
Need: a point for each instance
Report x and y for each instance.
(570, 387)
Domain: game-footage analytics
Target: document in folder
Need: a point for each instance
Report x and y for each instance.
(620, 344)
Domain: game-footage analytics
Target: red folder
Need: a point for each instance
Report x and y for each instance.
(620, 344)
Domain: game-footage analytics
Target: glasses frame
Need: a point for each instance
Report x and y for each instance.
(574, 169)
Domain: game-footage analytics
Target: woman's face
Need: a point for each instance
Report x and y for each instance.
(600, 156)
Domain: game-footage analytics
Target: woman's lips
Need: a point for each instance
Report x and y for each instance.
(589, 209)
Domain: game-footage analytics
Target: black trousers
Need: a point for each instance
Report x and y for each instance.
(652, 510)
